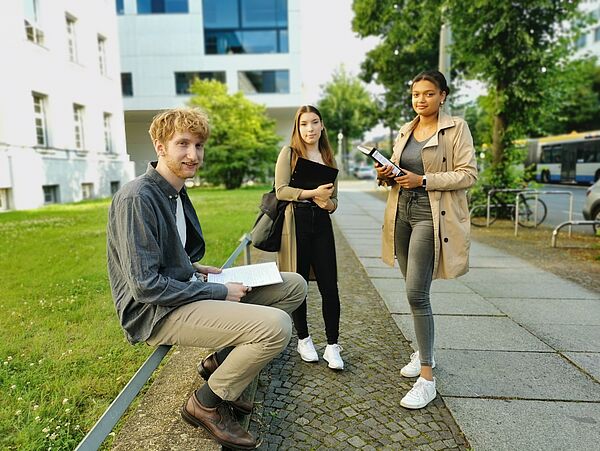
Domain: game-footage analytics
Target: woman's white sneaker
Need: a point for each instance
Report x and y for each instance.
(422, 393)
(307, 350)
(332, 356)
(413, 368)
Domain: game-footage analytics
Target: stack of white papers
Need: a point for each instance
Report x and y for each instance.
(250, 275)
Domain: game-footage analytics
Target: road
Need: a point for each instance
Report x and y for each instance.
(558, 205)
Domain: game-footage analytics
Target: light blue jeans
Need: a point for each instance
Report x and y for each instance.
(414, 244)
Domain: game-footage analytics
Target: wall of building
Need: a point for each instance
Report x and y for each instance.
(45, 67)
(589, 43)
(155, 46)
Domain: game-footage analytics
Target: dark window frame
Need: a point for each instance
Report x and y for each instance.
(127, 88)
(220, 76)
(280, 44)
(249, 75)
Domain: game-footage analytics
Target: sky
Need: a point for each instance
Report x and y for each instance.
(327, 42)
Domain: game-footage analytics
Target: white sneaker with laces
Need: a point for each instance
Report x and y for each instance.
(413, 368)
(307, 350)
(332, 356)
(422, 393)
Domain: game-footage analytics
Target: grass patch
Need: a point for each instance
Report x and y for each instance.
(63, 355)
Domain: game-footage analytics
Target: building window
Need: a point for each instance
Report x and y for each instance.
(102, 54)
(39, 117)
(108, 144)
(580, 43)
(87, 191)
(596, 34)
(78, 124)
(126, 84)
(245, 26)
(162, 6)
(4, 199)
(51, 195)
(264, 81)
(183, 80)
(120, 7)
(32, 29)
(114, 187)
(71, 41)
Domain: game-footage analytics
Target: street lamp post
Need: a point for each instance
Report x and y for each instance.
(444, 54)
(340, 138)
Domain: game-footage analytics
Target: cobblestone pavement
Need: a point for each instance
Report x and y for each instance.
(305, 406)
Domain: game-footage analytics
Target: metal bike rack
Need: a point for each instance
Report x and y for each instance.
(489, 197)
(536, 193)
(570, 223)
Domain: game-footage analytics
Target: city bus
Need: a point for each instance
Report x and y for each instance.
(570, 158)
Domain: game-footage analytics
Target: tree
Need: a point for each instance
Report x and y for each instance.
(243, 142)
(409, 33)
(578, 100)
(346, 106)
(517, 48)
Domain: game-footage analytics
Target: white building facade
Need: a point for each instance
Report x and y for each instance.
(62, 136)
(589, 42)
(252, 46)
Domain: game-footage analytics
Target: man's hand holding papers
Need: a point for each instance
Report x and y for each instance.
(249, 275)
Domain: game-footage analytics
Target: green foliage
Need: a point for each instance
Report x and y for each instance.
(243, 143)
(517, 49)
(346, 106)
(63, 356)
(576, 100)
(409, 33)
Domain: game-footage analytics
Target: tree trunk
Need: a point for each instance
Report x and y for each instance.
(498, 144)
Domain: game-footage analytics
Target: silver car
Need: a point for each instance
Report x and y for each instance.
(591, 208)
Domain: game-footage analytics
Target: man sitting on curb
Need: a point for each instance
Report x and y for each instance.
(154, 243)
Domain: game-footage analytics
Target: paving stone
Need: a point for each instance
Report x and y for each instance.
(360, 406)
(356, 442)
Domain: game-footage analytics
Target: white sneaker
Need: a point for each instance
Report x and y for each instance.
(307, 350)
(332, 356)
(422, 393)
(413, 368)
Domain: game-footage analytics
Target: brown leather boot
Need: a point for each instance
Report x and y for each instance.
(219, 422)
(241, 406)
(208, 365)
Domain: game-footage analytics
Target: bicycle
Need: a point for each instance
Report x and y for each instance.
(532, 210)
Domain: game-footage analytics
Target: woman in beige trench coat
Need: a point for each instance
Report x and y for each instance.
(426, 222)
(307, 241)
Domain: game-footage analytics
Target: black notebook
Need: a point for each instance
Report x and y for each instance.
(310, 174)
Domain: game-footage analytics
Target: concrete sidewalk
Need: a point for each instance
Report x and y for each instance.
(517, 348)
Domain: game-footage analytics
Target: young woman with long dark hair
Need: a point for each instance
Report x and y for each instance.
(426, 222)
(307, 242)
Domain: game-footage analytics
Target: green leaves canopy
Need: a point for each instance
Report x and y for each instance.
(348, 107)
(518, 49)
(409, 33)
(243, 143)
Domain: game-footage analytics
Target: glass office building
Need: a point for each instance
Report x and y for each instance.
(252, 46)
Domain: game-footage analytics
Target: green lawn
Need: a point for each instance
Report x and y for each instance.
(63, 356)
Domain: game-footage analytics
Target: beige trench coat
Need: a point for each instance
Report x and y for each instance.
(286, 257)
(450, 167)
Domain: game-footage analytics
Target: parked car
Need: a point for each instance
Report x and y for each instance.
(365, 173)
(591, 207)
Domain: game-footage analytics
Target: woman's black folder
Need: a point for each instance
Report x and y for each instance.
(310, 174)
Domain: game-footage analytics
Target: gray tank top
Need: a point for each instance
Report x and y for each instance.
(411, 158)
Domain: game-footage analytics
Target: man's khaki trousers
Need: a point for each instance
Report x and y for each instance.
(256, 330)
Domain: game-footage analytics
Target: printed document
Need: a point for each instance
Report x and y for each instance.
(250, 275)
(374, 153)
